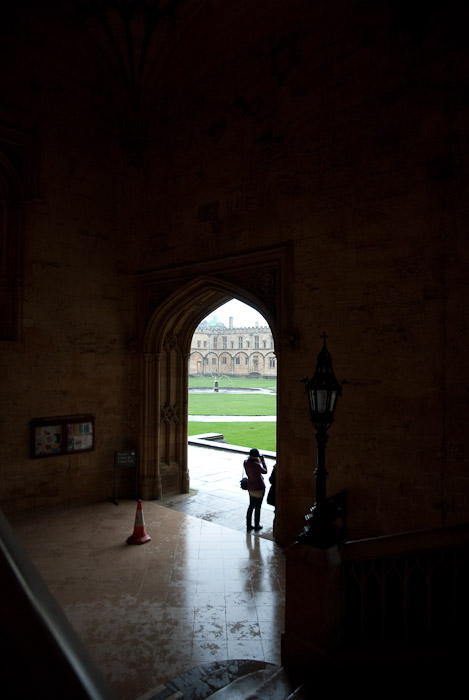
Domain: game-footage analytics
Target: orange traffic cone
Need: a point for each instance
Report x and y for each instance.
(139, 535)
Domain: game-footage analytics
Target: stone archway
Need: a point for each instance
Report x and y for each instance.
(173, 302)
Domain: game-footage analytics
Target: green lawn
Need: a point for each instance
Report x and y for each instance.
(260, 435)
(232, 404)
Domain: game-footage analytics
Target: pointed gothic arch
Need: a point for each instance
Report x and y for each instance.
(173, 303)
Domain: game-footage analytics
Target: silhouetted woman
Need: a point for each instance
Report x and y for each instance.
(255, 468)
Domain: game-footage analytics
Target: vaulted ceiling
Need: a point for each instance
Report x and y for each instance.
(131, 39)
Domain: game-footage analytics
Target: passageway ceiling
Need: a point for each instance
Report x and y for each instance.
(130, 41)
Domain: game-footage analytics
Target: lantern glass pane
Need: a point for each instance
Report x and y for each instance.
(312, 400)
(322, 401)
(333, 400)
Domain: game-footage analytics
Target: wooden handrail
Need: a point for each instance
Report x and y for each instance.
(405, 542)
(406, 586)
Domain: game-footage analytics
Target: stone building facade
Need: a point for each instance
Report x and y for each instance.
(310, 159)
(234, 352)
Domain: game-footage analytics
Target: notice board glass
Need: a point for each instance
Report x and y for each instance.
(59, 435)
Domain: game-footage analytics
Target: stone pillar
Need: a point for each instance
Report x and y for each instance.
(150, 479)
(313, 603)
(158, 486)
(185, 480)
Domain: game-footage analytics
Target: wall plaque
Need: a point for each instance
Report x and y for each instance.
(59, 435)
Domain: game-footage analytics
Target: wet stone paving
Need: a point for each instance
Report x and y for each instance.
(201, 590)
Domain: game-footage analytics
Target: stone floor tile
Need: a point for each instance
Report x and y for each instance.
(199, 591)
(245, 649)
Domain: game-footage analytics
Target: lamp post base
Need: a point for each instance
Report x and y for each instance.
(320, 533)
(319, 530)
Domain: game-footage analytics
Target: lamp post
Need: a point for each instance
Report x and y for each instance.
(323, 392)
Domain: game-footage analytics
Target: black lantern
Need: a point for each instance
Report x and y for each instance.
(323, 392)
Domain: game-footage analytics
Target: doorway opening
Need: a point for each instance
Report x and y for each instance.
(173, 302)
(246, 398)
(233, 374)
(232, 406)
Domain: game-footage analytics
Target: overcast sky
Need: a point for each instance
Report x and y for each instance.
(243, 315)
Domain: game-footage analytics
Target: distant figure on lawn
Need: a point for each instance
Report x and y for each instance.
(255, 468)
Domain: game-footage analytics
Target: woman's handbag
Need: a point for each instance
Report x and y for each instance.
(244, 481)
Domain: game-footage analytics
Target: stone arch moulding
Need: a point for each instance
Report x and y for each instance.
(172, 302)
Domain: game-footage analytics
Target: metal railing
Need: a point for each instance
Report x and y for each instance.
(412, 588)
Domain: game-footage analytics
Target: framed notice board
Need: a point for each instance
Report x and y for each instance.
(53, 436)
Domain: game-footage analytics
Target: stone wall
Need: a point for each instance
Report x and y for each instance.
(337, 129)
(340, 130)
(72, 351)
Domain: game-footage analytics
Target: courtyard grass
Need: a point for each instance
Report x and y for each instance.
(261, 435)
(232, 404)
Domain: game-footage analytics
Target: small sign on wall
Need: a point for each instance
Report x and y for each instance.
(59, 435)
(124, 459)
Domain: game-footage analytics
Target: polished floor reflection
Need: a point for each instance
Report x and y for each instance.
(197, 592)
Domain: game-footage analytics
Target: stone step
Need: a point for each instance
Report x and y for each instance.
(205, 680)
(278, 687)
(259, 685)
(261, 682)
(244, 687)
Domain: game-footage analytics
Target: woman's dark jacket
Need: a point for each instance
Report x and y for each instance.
(254, 470)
